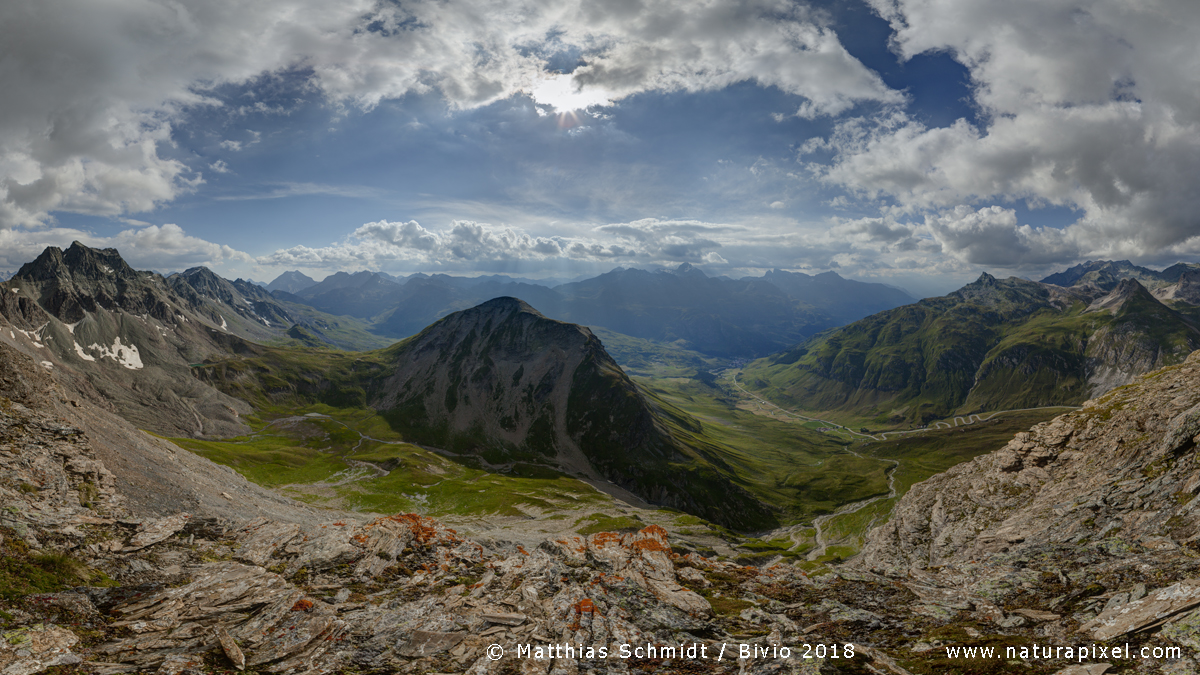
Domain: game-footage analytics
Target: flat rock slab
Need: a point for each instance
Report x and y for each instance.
(506, 619)
(427, 643)
(942, 597)
(1153, 610)
(1085, 669)
(153, 531)
(1037, 615)
(231, 649)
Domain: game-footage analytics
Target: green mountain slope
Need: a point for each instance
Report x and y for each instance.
(505, 383)
(991, 345)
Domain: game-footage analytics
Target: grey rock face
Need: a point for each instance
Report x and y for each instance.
(1123, 465)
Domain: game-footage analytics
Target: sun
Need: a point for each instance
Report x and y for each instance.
(559, 91)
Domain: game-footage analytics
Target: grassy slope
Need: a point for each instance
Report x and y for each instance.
(648, 358)
(339, 332)
(924, 363)
(804, 472)
(319, 460)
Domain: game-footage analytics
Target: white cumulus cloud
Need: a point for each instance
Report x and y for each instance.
(163, 248)
(93, 91)
(1091, 105)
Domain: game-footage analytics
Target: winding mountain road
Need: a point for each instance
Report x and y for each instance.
(852, 507)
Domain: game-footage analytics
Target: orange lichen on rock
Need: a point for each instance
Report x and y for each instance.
(303, 605)
(654, 531)
(424, 529)
(584, 606)
(650, 545)
(606, 538)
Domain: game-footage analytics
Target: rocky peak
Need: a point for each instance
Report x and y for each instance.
(78, 263)
(81, 279)
(1186, 288)
(689, 270)
(503, 378)
(291, 282)
(1127, 290)
(1011, 296)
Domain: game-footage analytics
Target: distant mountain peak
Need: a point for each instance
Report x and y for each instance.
(293, 282)
(688, 269)
(1127, 290)
(506, 305)
(200, 272)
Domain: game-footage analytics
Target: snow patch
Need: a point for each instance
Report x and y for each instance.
(33, 336)
(16, 290)
(82, 354)
(47, 365)
(126, 355)
(224, 326)
(71, 326)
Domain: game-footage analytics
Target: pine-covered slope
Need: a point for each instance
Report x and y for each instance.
(992, 345)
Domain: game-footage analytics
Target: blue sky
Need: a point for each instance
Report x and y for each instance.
(916, 142)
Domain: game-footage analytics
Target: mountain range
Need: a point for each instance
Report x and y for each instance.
(717, 316)
(1081, 531)
(993, 345)
(500, 381)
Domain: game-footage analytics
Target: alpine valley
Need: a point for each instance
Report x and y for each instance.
(374, 474)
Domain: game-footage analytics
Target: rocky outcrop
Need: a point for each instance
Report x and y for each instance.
(1125, 463)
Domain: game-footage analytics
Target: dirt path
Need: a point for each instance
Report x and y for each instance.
(768, 408)
(853, 506)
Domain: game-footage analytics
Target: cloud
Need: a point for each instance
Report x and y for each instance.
(466, 244)
(991, 237)
(93, 92)
(164, 248)
(1089, 105)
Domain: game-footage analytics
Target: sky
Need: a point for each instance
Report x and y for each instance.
(914, 142)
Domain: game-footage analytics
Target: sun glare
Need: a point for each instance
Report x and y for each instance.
(560, 91)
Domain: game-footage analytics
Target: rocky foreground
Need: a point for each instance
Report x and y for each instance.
(1080, 532)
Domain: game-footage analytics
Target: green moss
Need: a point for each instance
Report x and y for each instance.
(22, 573)
(727, 606)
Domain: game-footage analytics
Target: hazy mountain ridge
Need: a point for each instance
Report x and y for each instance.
(991, 345)
(714, 315)
(1106, 274)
